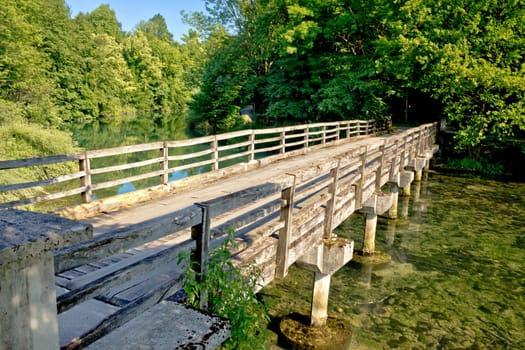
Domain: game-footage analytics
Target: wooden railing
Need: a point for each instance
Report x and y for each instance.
(160, 159)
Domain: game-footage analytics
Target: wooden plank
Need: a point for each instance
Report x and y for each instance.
(51, 181)
(37, 199)
(200, 233)
(297, 143)
(234, 134)
(120, 240)
(287, 197)
(191, 166)
(103, 283)
(229, 202)
(134, 289)
(266, 140)
(255, 223)
(190, 142)
(268, 149)
(126, 166)
(108, 152)
(235, 145)
(125, 314)
(330, 204)
(113, 183)
(190, 155)
(38, 161)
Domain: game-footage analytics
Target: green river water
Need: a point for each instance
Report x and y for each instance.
(456, 279)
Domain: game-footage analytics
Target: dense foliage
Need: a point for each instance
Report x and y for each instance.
(287, 60)
(313, 60)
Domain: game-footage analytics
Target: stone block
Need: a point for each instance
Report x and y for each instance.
(329, 256)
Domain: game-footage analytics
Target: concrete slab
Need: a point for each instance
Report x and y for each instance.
(167, 325)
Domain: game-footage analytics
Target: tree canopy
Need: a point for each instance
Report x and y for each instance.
(290, 60)
(314, 60)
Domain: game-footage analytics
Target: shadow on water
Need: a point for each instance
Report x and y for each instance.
(456, 279)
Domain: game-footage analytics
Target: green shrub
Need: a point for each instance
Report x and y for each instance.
(230, 294)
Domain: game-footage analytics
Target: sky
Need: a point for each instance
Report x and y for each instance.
(131, 12)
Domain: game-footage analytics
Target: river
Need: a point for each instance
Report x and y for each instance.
(456, 279)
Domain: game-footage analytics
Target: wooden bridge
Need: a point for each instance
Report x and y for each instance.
(120, 259)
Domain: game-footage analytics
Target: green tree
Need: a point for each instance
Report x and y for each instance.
(469, 56)
(146, 69)
(155, 27)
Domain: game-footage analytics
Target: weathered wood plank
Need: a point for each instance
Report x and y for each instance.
(88, 287)
(38, 199)
(38, 161)
(54, 180)
(238, 199)
(120, 240)
(234, 146)
(101, 153)
(190, 155)
(126, 166)
(234, 156)
(107, 184)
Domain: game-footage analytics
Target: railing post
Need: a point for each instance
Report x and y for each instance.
(307, 136)
(379, 172)
(282, 137)
(285, 233)
(330, 205)
(201, 234)
(338, 131)
(164, 163)
(324, 135)
(420, 143)
(359, 189)
(85, 181)
(252, 146)
(215, 153)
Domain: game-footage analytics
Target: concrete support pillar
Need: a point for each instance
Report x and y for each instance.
(369, 240)
(321, 290)
(28, 311)
(324, 260)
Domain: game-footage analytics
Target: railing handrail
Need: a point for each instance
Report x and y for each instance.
(254, 143)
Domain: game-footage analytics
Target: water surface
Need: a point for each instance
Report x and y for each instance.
(456, 280)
